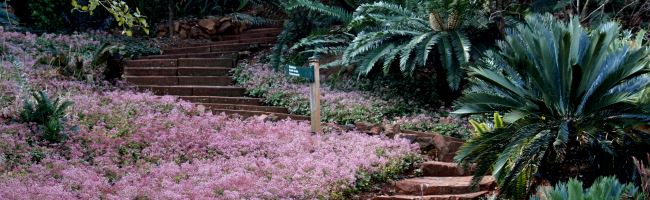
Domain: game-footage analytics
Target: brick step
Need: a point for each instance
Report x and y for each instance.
(182, 62)
(194, 90)
(237, 41)
(177, 71)
(215, 48)
(228, 55)
(223, 100)
(441, 185)
(247, 114)
(445, 169)
(467, 196)
(180, 80)
(213, 106)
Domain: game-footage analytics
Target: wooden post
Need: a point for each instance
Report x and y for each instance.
(314, 97)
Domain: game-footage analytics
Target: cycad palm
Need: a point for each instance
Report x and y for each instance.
(408, 33)
(561, 87)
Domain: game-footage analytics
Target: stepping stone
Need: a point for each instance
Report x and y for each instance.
(444, 169)
(467, 196)
(441, 185)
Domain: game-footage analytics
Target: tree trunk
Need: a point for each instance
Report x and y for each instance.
(170, 21)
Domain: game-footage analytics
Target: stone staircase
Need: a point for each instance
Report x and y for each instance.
(200, 73)
(441, 179)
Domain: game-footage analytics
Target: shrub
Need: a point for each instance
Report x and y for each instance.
(605, 188)
(568, 94)
(48, 115)
(6, 18)
(409, 33)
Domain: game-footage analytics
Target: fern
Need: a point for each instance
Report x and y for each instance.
(47, 114)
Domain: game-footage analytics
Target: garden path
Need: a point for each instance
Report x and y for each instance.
(441, 178)
(201, 73)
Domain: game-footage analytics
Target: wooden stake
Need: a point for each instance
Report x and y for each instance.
(314, 97)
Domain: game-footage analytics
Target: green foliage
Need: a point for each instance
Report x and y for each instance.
(47, 14)
(407, 33)
(130, 47)
(569, 97)
(482, 128)
(644, 175)
(605, 188)
(47, 115)
(122, 13)
(366, 181)
(7, 19)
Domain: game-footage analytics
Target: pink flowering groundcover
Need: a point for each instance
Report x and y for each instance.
(126, 145)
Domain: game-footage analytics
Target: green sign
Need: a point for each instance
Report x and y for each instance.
(303, 72)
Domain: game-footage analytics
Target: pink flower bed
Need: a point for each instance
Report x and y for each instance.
(127, 145)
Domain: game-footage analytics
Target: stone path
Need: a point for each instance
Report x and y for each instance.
(200, 73)
(441, 178)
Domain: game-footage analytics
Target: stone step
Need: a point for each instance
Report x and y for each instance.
(223, 100)
(206, 62)
(440, 147)
(177, 71)
(467, 196)
(228, 55)
(203, 71)
(180, 80)
(213, 106)
(247, 114)
(262, 30)
(194, 90)
(182, 62)
(249, 35)
(445, 169)
(237, 41)
(442, 185)
(215, 48)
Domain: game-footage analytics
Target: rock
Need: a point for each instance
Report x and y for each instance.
(201, 108)
(177, 26)
(195, 32)
(375, 130)
(363, 126)
(225, 19)
(391, 129)
(224, 27)
(208, 25)
(183, 34)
